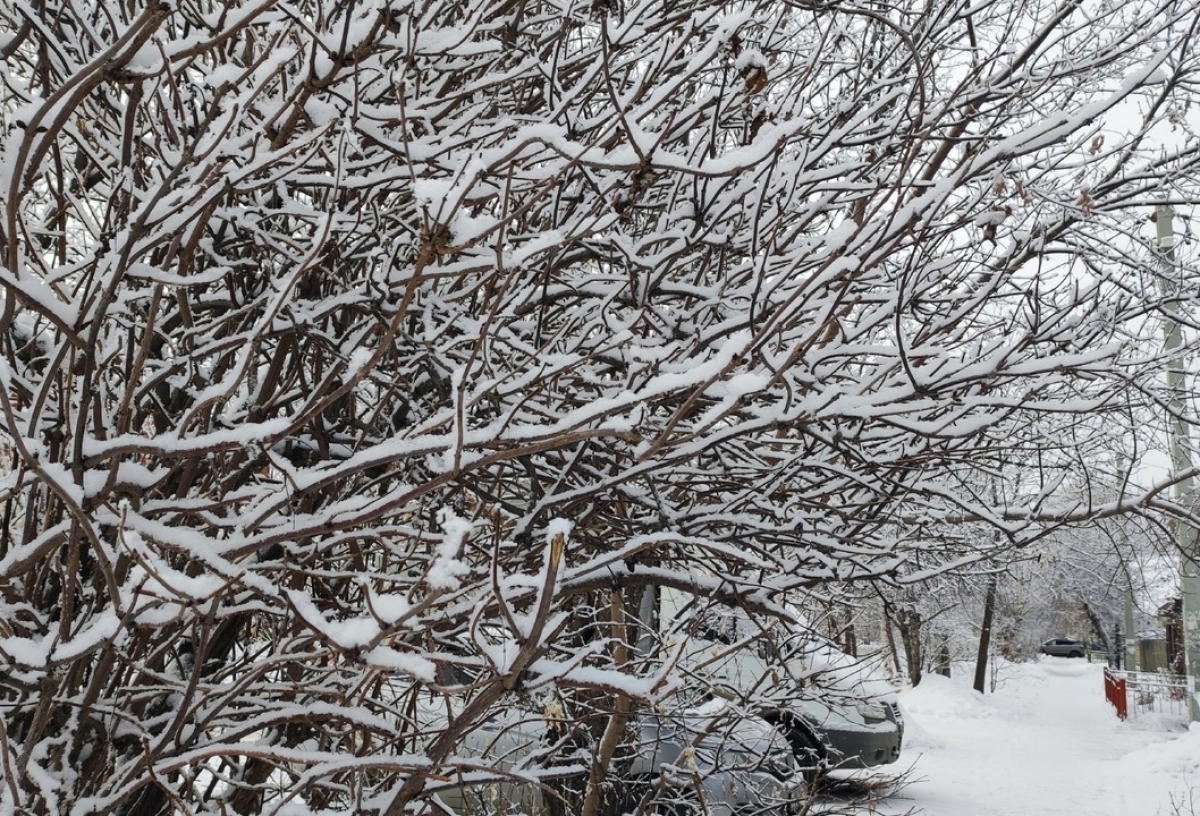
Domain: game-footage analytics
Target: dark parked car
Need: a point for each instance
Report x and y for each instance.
(1064, 647)
(835, 710)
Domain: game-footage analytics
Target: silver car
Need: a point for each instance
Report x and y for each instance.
(834, 709)
(1064, 647)
(703, 758)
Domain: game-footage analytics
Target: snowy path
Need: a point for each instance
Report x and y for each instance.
(1045, 744)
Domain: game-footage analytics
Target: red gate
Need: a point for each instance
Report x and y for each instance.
(1114, 692)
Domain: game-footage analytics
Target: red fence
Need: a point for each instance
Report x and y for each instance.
(1114, 692)
(1139, 694)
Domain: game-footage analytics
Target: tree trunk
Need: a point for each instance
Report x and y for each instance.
(941, 661)
(1098, 626)
(909, 623)
(890, 637)
(985, 636)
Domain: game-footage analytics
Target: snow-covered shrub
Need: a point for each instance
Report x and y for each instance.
(346, 345)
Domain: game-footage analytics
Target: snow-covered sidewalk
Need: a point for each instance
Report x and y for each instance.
(1045, 744)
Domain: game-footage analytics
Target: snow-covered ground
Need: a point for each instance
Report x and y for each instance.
(1046, 743)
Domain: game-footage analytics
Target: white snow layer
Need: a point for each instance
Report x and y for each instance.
(1046, 743)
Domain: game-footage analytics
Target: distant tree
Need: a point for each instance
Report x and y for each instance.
(1088, 573)
(348, 348)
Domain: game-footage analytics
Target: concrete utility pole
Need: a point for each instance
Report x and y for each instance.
(1180, 455)
(1130, 663)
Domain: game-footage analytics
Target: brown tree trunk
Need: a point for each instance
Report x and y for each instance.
(1098, 626)
(985, 636)
(890, 637)
(941, 660)
(909, 623)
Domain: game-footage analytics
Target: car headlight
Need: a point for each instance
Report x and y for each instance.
(871, 710)
(726, 758)
(779, 762)
(721, 757)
